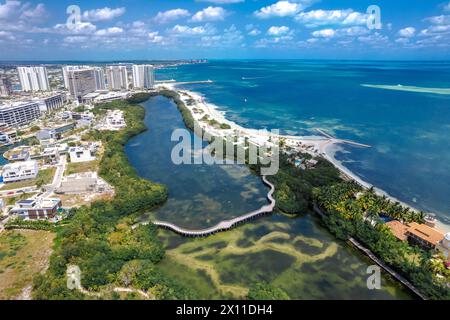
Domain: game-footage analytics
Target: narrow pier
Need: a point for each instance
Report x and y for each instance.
(329, 136)
(193, 82)
(227, 224)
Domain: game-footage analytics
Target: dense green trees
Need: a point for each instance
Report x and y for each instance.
(294, 186)
(100, 238)
(264, 291)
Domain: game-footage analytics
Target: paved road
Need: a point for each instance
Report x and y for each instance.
(60, 168)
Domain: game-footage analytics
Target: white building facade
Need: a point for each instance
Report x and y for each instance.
(81, 154)
(117, 77)
(143, 76)
(19, 171)
(19, 114)
(33, 78)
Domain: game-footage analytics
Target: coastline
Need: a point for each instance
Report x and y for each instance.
(315, 145)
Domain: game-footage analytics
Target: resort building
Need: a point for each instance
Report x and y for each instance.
(117, 77)
(143, 76)
(37, 208)
(5, 87)
(398, 229)
(83, 80)
(81, 154)
(19, 171)
(33, 78)
(66, 70)
(52, 102)
(424, 236)
(20, 113)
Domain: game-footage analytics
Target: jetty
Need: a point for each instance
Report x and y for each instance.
(193, 82)
(329, 136)
(226, 224)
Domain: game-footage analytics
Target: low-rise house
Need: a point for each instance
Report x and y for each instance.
(81, 154)
(37, 208)
(8, 136)
(398, 229)
(21, 155)
(50, 155)
(115, 120)
(18, 171)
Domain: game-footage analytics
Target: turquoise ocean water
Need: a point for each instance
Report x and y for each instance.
(409, 131)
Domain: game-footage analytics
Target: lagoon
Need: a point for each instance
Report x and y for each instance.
(295, 254)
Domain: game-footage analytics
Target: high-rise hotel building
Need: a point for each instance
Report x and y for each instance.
(117, 77)
(5, 87)
(81, 80)
(143, 76)
(33, 78)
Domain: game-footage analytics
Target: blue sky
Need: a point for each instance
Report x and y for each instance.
(173, 29)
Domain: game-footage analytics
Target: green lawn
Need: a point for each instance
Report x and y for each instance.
(78, 167)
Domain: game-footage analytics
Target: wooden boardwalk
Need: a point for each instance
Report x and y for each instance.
(227, 224)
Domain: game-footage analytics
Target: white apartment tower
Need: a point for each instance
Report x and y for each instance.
(117, 77)
(143, 76)
(33, 78)
(99, 75)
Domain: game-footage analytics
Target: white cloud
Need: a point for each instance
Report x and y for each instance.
(9, 9)
(277, 31)
(171, 15)
(439, 20)
(192, 31)
(75, 39)
(109, 31)
(254, 32)
(408, 32)
(6, 35)
(325, 33)
(154, 37)
(374, 39)
(283, 9)
(78, 28)
(447, 7)
(317, 18)
(342, 32)
(210, 14)
(38, 12)
(103, 14)
(231, 37)
(222, 1)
